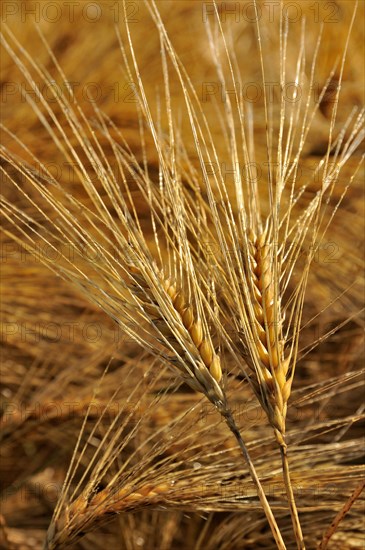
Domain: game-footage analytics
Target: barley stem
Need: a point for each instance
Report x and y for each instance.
(261, 494)
(341, 514)
(290, 497)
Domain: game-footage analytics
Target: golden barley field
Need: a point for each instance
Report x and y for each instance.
(182, 268)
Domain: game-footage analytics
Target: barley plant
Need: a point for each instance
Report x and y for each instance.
(182, 276)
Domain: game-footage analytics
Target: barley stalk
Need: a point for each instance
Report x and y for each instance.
(267, 357)
(340, 515)
(206, 369)
(84, 513)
